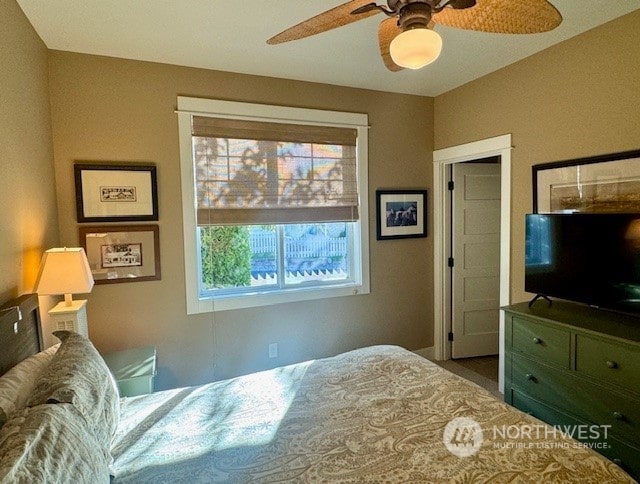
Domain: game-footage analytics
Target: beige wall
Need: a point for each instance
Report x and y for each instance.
(106, 109)
(580, 98)
(28, 220)
(577, 99)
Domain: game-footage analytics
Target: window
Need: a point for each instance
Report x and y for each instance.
(274, 203)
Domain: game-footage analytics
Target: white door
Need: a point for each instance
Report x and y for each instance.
(475, 275)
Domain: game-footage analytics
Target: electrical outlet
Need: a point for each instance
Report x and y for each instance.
(273, 350)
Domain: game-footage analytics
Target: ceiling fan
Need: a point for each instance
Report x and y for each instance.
(407, 39)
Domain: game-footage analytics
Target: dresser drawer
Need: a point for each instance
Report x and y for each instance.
(626, 456)
(550, 415)
(609, 361)
(621, 412)
(545, 343)
(579, 397)
(549, 385)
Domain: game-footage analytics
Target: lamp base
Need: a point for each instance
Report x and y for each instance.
(70, 318)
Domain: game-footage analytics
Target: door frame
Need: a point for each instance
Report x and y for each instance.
(497, 146)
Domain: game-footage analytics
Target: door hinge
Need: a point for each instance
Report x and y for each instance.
(450, 336)
(450, 262)
(450, 186)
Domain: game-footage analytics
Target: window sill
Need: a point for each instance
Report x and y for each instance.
(228, 303)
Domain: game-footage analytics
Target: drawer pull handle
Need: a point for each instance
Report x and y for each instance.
(531, 377)
(612, 364)
(537, 341)
(618, 416)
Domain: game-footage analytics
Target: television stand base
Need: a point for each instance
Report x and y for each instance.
(539, 296)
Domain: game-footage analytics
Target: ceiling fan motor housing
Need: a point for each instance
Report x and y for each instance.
(415, 15)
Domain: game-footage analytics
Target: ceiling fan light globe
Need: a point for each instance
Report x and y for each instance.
(415, 48)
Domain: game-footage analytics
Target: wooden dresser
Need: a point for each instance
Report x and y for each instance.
(575, 366)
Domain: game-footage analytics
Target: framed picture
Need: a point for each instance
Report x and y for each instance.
(401, 214)
(606, 183)
(116, 192)
(125, 253)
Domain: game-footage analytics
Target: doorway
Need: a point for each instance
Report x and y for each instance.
(498, 146)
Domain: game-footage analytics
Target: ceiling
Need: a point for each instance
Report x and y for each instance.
(231, 36)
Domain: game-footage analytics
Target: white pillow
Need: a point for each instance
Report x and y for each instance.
(16, 384)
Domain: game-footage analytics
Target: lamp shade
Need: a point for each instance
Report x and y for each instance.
(64, 271)
(415, 48)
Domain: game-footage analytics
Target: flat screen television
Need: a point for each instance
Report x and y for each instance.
(588, 258)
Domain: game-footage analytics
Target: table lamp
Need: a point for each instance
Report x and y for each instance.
(66, 271)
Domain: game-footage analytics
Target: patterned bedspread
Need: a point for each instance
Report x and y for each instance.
(378, 414)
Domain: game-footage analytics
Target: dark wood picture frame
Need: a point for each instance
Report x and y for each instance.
(116, 192)
(132, 252)
(401, 214)
(607, 183)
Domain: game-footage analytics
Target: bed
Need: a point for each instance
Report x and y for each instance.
(377, 414)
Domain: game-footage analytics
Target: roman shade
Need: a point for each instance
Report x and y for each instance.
(256, 172)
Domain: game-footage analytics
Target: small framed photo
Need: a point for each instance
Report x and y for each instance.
(116, 192)
(401, 214)
(125, 253)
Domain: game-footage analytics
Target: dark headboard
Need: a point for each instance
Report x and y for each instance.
(19, 338)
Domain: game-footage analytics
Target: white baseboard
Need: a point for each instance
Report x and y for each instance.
(428, 353)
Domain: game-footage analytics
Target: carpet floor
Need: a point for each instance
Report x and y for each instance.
(482, 371)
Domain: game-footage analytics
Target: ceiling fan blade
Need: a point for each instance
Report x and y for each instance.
(366, 8)
(331, 19)
(503, 16)
(387, 31)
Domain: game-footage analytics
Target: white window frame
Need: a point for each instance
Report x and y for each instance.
(187, 107)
